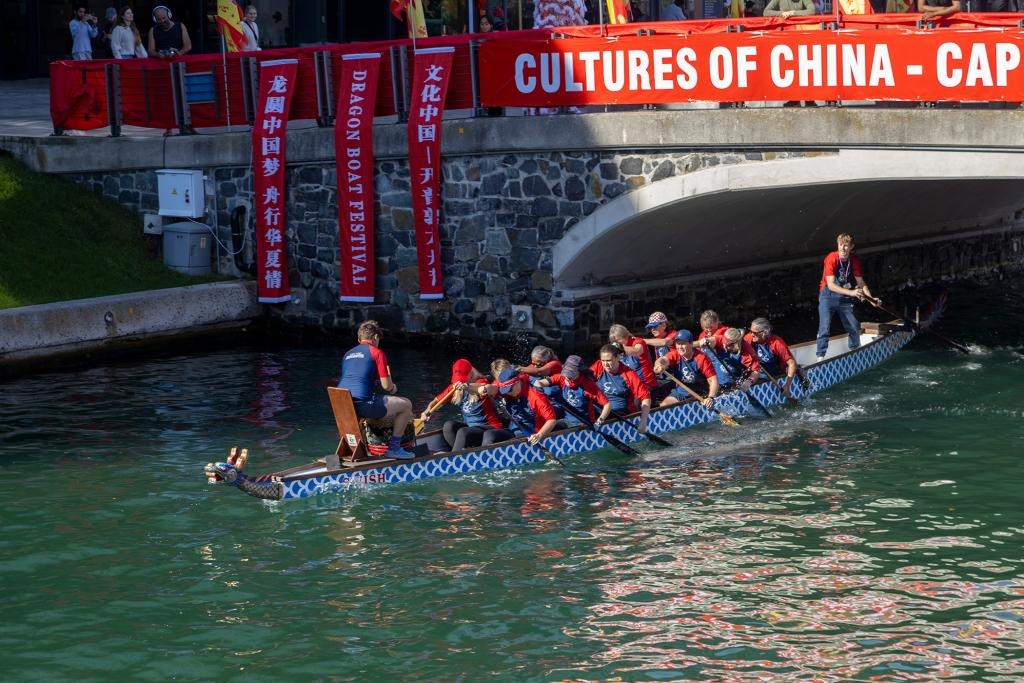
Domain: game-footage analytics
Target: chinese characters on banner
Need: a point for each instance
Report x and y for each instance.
(353, 154)
(431, 68)
(277, 81)
(963, 65)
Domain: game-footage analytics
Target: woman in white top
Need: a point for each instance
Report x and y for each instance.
(251, 30)
(125, 41)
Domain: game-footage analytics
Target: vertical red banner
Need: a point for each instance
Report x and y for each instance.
(431, 68)
(277, 82)
(353, 157)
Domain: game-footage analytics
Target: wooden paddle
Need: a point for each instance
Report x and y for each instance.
(418, 424)
(614, 441)
(722, 416)
(790, 401)
(877, 303)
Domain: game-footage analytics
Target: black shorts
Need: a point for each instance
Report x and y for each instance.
(373, 409)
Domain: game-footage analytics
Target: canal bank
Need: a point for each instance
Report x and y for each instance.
(555, 227)
(37, 336)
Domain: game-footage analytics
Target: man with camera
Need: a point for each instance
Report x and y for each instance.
(167, 38)
(83, 30)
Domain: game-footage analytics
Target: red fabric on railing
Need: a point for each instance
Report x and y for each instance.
(78, 95)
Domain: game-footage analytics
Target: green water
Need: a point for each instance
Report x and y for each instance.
(873, 532)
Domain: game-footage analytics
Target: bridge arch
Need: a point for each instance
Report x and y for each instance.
(743, 216)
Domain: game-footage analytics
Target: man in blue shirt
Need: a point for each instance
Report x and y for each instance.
(83, 30)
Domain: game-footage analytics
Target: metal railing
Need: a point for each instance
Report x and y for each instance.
(206, 91)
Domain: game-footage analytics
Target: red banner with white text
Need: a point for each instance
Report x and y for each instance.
(277, 84)
(353, 158)
(898, 64)
(431, 68)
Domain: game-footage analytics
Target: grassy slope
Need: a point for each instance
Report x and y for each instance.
(59, 242)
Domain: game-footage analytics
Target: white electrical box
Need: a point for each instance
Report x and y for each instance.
(181, 193)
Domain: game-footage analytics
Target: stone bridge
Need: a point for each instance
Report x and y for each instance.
(558, 226)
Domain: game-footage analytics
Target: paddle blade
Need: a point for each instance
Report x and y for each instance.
(418, 425)
(728, 420)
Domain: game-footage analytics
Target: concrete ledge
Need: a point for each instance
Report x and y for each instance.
(75, 326)
(753, 128)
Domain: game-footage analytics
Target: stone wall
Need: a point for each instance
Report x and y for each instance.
(502, 214)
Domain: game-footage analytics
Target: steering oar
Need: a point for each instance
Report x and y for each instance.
(877, 303)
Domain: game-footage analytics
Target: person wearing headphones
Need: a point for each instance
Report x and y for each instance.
(167, 38)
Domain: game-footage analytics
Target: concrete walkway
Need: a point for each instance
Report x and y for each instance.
(26, 112)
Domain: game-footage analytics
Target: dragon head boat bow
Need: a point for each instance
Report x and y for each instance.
(231, 473)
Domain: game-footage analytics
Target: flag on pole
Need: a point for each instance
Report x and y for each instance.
(413, 11)
(618, 12)
(229, 20)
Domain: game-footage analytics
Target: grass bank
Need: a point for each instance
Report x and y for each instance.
(59, 241)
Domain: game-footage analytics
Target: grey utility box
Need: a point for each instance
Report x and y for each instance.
(187, 247)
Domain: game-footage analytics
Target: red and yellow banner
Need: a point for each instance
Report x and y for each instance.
(430, 72)
(618, 12)
(277, 83)
(229, 21)
(353, 154)
(413, 11)
(898, 64)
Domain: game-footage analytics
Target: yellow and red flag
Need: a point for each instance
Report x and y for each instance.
(413, 11)
(618, 11)
(229, 20)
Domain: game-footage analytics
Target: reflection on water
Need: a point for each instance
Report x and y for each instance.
(873, 532)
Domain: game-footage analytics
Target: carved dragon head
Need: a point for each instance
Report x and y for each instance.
(266, 486)
(229, 472)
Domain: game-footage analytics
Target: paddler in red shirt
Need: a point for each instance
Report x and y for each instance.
(579, 391)
(772, 352)
(662, 335)
(623, 387)
(635, 355)
(529, 408)
(478, 413)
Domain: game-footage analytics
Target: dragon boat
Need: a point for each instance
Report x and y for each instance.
(355, 463)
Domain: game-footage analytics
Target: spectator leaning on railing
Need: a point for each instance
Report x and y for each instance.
(933, 9)
(789, 8)
(167, 38)
(125, 41)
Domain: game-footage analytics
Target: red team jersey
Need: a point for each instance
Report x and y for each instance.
(703, 364)
(490, 414)
(646, 365)
(590, 389)
(775, 343)
(636, 388)
(838, 269)
(748, 356)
